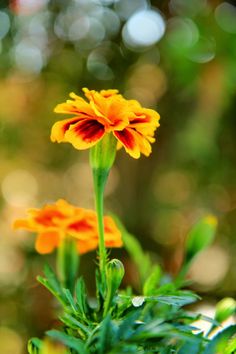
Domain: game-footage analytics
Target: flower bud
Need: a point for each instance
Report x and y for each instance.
(115, 274)
(225, 309)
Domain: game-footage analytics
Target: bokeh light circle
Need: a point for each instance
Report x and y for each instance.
(19, 188)
(143, 29)
(225, 15)
(4, 24)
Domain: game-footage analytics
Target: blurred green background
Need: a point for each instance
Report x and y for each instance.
(178, 57)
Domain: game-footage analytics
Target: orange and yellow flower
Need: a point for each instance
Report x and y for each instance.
(56, 221)
(106, 111)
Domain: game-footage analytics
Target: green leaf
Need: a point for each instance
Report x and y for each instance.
(81, 297)
(72, 322)
(183, 299)
(70, 300)
(52, 284)
(34, 346)
(105, 335)
(200, 236)
(231, 346)
(220, 341)
(152, 282)
(69, 341)
(126, 326)
(156, 329)
(191, 348)
(52, 279)
(178, 298)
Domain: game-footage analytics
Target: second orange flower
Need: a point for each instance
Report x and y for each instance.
(56, 221)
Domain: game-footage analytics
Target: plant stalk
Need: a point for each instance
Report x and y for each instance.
(102, 157)
(100, 178)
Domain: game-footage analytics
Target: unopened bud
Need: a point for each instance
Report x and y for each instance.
(115, 274)
(225, 309)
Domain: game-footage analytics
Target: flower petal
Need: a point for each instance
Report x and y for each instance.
(46, 242)
(77, 106)
(88, 245)
(109, 108)
(85, 134)
(59, 129)
(109, 93)
(127, 138)
(81, 229)
(112, 233)
(23, 224)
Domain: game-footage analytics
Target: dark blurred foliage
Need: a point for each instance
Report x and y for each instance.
(175, 56)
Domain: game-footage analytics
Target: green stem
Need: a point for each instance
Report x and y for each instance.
(67, 263)
(102, 157)
(100, 178)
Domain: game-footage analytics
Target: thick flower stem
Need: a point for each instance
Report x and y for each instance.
(100, 177)
(102, 157)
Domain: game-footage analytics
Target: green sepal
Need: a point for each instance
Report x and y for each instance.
(102, 155)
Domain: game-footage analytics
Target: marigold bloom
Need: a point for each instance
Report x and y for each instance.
(56, 221)
(104, 112)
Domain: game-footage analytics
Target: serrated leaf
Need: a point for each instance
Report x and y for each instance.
(72, 322)
(52, 284)
(70, 300)
(52, 279)
(74, 343)
(81, 296)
